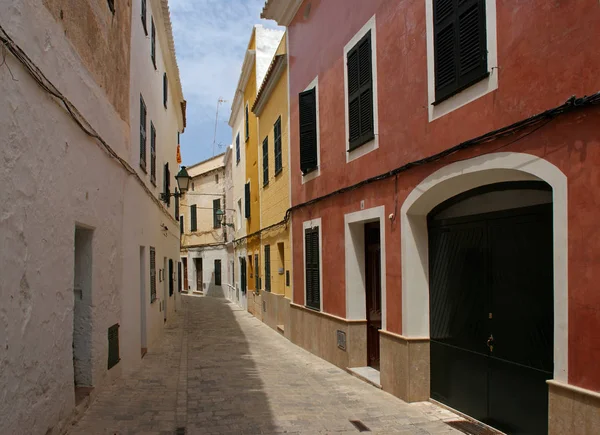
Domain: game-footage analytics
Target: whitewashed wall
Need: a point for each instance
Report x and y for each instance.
(53, 177)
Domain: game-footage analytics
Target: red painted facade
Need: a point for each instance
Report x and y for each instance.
(547, 52)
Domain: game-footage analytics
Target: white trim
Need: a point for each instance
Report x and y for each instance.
(459, 177)
(314, 174)
(473, 92)
(373, 144)
(313, 223)
(355, 285)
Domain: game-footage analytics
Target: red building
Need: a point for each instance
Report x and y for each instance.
(445, 201)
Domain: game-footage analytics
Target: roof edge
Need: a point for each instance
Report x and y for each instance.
(282, 11)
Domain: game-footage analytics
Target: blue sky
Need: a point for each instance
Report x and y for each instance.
(211, 37)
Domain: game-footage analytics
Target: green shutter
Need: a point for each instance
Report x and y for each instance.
(308, 130)
(216, 207)
(247, 200)
(152, 274)
(113, 346)
(268, 268)
(217, 272)
(360, 93)
(265, 150)
(277, 146)
(193, 218)
(313, 294)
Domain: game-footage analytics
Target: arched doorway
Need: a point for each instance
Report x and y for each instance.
(491, 304)
(418, 216)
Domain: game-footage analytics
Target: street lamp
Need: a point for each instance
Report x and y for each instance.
(221, 218)
(183, 182)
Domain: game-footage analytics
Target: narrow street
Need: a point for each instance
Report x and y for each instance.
(218, 370)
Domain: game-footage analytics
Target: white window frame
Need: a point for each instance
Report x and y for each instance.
(478, 89)
(373, 144)
(317, 172)
(313, 223)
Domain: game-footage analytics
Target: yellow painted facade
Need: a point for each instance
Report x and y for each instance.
(250, 137)
(274, 196)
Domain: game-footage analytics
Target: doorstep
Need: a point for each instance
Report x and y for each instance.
(367, 374)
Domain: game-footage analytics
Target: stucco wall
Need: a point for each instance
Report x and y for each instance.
(55, 177)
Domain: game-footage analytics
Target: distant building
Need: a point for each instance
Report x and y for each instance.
(203, 238)
(88, 248)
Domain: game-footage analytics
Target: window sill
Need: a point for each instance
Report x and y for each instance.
(143, 167)
(311, 175)
(318, 310)
(363, 148)
(360, 143)
(460, 89)
(278, 172)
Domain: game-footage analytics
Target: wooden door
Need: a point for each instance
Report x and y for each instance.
(373, 291)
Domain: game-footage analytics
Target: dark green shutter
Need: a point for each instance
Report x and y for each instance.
(142, 133)
(167, 185)
(216, 207)
(193, 218)
(460, 45)
(218, 272)
(360, 93)
(152, 274)
(265, 150)
(247, 124)
(313, 294)
(237, 148)
(277, 146)
(144, 17)
(176, 206)
(308, 130)
(152, 153)
(153, 43)
(256, 272)
(243, 274)
(113, 346)
(171, 283)
(268, 268)
(247, 200)
(165, 90)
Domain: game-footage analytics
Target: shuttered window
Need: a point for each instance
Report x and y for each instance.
(193, 218)
(113, 346)
(216, 207)
(265, 151)
(144, 17)
(167, 185)
(237, 148)
(152, 274)
(360, 93)
(176, 205)
(142, 134)
(217, 272)
(307, 101)
(268, 268)
(181, 225)
(277, 146)
(243, 274)
(313, 294)
(171, 276)
(247, 200)
(165, 90)
(256, 272)
(153, 43)
(460, 45)
(247, 124)
(152, 153)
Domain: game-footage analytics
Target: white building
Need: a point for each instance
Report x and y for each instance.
(203, 239)
(78, 216)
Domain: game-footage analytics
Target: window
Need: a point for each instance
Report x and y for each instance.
(153, 43)
(277, 146)
(256, 275)
(167, 185)
(144, 17)
(265, 150)
(165, 90)
(217, 272)
(217, 178)
(308, 131)
(193, 186)
(171, 276)
(111, 6)
(239, 214)
(237, 148)
(113, 346)
(176, 206)
(360, 93)
(247, 124)
(152, 274)
(243, 274)
(268, 268)
(460, 45)
(142, 134)
(181, 225)
(247, 198)
(152, 153)
(216, 207)
(312, 268)
(193, 218)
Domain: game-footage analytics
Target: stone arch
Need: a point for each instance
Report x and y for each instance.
(457, 178)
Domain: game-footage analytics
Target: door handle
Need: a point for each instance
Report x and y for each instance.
(490, 343)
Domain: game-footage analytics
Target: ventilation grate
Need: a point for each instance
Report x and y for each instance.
(360, 426)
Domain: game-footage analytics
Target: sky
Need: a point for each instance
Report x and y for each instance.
(211, 37)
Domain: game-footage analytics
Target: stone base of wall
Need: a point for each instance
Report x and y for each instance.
(276, 312)
(317, 332)
(404, 366)
(572, 410)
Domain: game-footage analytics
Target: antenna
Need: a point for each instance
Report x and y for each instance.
(219, 101)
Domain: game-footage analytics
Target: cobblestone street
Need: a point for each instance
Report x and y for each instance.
(218, 370)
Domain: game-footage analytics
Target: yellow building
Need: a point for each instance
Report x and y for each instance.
(271, 108)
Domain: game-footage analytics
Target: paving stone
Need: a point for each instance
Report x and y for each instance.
(218, 370)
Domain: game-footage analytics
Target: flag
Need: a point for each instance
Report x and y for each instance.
(178, 154)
